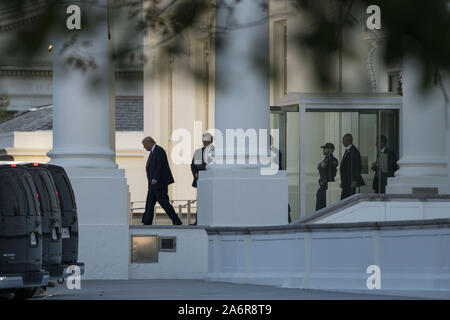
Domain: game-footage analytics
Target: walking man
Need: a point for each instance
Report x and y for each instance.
(159, 177)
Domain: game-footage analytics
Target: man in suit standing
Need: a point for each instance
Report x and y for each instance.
(202, 157)
(159, 177)
(384, 167)
(350, 168)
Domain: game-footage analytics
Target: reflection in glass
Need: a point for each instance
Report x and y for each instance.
(292, 162)
(287, 122)
(330, 126)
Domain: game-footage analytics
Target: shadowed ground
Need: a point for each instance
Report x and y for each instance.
(204, 290)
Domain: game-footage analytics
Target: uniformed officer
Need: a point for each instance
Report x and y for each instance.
(327, 171)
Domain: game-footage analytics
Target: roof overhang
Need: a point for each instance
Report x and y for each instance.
(14, 16)
(340, 100)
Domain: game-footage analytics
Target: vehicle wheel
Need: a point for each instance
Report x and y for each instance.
(25, 293)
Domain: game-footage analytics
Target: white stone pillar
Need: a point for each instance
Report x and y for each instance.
(446, 85)
(83, 141)
(238, 194)
(423, 161)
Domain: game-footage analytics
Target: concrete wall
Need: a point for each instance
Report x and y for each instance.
(411, 256)
(190, 261)
(130, 156)
(390, 211)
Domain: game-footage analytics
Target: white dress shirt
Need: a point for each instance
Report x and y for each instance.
(207, 158)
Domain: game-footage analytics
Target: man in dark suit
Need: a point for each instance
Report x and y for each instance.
(350, 168)
(384, 167)
(159, 177)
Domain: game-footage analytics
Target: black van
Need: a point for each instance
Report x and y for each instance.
(21, 238)
(51, 218)
(69, 218)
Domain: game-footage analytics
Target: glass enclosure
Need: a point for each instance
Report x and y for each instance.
(322, 126)
(286, 120)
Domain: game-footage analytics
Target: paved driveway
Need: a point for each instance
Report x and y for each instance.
(200, 290)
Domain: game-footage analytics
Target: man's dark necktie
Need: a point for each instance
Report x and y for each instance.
(148, 161)
(341, 168)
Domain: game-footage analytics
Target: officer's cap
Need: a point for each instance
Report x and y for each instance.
(207, 137)
(328, 145)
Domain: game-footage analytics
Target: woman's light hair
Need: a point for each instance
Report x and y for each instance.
(148, 139)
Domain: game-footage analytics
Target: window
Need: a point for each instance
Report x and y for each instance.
(203, 80)
(29, 192)
(45, 195)
(51, 189)
(167, 244)
(64, 192)
(9, 203)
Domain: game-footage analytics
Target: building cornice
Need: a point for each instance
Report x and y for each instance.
(129, 74)
(15, 17)
(48, 73)
(9, 26)
(26, 73)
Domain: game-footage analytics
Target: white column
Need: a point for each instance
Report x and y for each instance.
(83, 141)
(446, 84)
(81, 97)
(238, 194)
(423, 161)
(243, 90)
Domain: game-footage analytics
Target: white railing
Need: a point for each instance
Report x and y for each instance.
(186, 210)
(409, 255)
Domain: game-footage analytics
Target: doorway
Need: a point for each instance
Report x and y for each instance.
(329, 126)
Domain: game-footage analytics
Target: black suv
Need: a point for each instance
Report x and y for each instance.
(21, 240)
(51, 218)
(69, 218)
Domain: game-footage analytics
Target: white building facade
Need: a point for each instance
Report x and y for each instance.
(369, 99)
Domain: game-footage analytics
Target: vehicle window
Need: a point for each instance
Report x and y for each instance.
(26, 194)
(65, 193)
(41, 187)
(31, 197)
(9, 202)
(72, 199)
(51, 188)
(20, 194)
(32, 190)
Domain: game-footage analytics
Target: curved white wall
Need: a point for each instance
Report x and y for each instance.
(334, 257)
